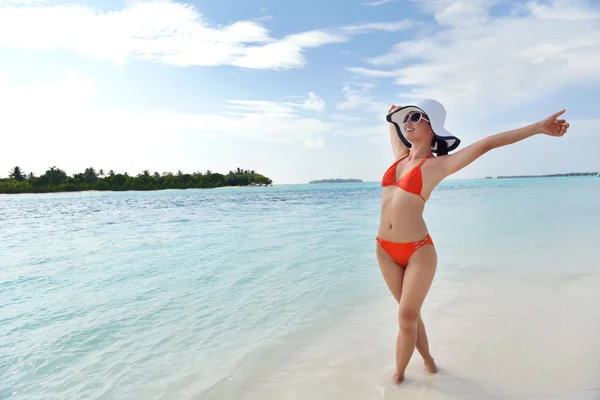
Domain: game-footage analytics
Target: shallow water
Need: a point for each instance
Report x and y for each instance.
(275, 293)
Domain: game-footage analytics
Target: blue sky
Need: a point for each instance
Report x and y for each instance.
(294, 90)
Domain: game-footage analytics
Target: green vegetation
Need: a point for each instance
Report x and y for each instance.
(551, 175)
(56, 180)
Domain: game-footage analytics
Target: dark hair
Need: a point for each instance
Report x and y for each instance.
(442, 147)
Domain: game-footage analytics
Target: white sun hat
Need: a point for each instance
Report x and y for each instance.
(444, 142)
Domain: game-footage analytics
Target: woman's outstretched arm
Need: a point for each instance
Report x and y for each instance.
(551, 126)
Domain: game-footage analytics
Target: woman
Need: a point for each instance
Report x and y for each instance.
(405, 250)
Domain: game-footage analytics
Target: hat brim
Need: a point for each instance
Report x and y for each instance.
(443, 137)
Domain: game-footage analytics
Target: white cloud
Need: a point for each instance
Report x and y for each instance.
(484, 62)
(458, 12)
(61, 124)
(285, 53)
(164, 32)
(359, 97)
(314, 102)
(348, 118)
(372, 130)
(318, 142)
(311, 102)
(71, 90)
(21, 2)
(263, 18)
(373, 73)
(362, 115)
(563, 9)
(380, 26)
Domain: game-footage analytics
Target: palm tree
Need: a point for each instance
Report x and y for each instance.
(101, 172)
(17, 174)
(54, 176)
(90, 174)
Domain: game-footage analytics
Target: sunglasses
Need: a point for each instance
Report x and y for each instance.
(415, 118)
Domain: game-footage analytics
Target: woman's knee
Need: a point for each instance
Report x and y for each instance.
(408, 317)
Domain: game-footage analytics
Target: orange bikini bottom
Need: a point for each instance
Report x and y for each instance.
(402, 252)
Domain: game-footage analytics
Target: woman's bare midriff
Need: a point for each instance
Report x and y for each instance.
(401, 216)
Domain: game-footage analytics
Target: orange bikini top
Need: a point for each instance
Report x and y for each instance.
(411, 182)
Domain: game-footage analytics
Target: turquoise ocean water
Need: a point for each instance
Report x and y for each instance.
(275, 293)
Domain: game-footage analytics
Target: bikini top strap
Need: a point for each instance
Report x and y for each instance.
(398, 160)
(426, 158)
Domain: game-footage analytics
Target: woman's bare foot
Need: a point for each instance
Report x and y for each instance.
(398, 378)
(430, 365)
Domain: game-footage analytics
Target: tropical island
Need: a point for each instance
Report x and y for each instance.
(56, 180)
(336, 181)
(549, 175)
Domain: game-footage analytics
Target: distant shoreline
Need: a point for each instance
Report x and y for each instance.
(572, 174)
(55, 180)
(336, 181)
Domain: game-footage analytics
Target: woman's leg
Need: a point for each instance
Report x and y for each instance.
(391, 271)
(393, 275)
(423, 347)
(417, 280)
